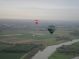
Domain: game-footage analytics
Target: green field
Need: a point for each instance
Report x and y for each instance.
(11, 55)
(57, 55)
(23, 36)
(14, 51)
(12, 36)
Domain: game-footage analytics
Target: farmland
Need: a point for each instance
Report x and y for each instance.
(24, 35)
(10, 51)
(14, 40)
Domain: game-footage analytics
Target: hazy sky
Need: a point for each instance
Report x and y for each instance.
(39, 9)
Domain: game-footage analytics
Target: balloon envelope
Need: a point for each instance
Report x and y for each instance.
(36, 21)
(51, 29)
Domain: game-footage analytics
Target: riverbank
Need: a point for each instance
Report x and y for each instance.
(66, 52)
(40, 47)
(76, 57)
(51, 49)
(32, 52)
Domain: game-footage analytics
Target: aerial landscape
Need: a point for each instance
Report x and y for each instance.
(18, 39)
(39, 29)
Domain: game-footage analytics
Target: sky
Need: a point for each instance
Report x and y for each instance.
(40, 9)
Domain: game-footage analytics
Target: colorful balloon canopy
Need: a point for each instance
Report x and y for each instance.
(36, 21)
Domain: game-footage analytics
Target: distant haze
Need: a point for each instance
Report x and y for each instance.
(55, 10)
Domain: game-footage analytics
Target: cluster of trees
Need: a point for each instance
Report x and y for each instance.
(69, 49)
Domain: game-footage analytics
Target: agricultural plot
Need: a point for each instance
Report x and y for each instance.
(15, 36)
(11, 55)
(29, 37)
(16, 51)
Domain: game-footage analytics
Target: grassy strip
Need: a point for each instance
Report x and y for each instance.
(50, 42)
(10, 55)
(57, 55)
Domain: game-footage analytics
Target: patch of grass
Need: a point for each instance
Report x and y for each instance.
(54, 41)
(57, 55)
(11, 55)
(15, 52)
(24, 36)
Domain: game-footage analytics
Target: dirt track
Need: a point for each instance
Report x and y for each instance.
(11, 34)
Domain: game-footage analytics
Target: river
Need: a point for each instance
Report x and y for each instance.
(51, 49)
(76, 58)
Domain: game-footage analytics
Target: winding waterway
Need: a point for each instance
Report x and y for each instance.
(76, 58)
(51, 49)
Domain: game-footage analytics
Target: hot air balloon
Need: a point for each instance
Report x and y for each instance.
(36, 21)
(51, 29)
